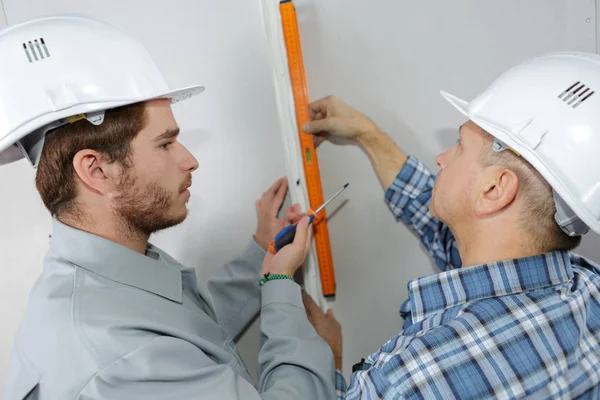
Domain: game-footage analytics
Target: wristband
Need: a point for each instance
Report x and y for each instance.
(273, 277)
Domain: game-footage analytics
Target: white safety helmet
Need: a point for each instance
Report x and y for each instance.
(547, 110)
(58, 70)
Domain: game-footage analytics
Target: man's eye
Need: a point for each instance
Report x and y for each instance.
(166, 145)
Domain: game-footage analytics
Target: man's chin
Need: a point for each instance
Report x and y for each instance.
(174, 220)
(180, 217)
(432, 209)
(435, 214)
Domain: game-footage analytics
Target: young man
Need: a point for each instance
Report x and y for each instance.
(514, 314)
(113, 317)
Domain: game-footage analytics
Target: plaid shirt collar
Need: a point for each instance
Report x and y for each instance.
(435, 293)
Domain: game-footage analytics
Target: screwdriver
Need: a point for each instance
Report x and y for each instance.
(287, 234)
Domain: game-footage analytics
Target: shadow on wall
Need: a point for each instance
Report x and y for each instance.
(332, 214)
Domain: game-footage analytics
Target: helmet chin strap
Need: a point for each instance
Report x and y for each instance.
(31, 145)
(568, 221)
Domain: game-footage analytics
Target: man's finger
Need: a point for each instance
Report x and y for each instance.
(302, 232)
(292, 215)
(317, 126)
(315, 113)
(311, 306)
(320, 106)
(317, 140)
(275, 187)
(280, 196)
(308, 241)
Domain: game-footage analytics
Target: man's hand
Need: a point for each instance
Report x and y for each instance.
(290, 258)
(326, 326)
(267, 209)
(331, 116)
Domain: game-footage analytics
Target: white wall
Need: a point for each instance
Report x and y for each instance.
(387, 58)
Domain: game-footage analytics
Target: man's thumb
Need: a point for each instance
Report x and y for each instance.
(322, 125)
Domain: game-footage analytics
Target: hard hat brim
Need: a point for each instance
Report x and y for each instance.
(463, 106)
(180, 94)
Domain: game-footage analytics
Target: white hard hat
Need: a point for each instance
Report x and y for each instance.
(59, 69)
(547, 110)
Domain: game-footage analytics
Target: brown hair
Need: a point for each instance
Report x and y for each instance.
(539, 209)
(55, 179)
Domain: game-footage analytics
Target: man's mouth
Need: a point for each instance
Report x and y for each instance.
(186, 185)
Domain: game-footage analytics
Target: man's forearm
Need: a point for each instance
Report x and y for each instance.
(386, 157)
(293, 357)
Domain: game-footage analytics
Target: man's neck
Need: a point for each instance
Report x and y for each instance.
(489, 244)
(111, 229)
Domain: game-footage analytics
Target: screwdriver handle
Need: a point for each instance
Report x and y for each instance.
(287, 234)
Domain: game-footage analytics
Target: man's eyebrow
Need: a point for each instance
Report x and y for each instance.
(168, 134)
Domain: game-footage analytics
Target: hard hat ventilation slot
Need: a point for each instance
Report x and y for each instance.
(576, 94)
(36, 50)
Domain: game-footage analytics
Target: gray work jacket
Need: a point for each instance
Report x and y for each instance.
(105, 322)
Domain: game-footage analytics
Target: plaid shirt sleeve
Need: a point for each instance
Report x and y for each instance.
(409, 197)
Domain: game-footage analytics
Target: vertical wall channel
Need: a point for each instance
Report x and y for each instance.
(3, 22)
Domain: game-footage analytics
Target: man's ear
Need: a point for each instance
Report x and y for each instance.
(95, 172)
(498, 192)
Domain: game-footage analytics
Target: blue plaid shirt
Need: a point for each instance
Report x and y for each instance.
(527, 327)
